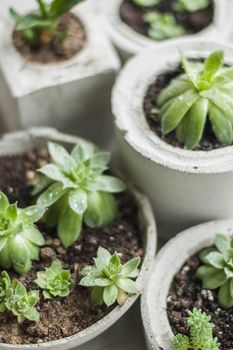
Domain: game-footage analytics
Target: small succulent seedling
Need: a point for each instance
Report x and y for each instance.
(5, 283)
(78, 191)
(111, 281)
(201, 333)
(40, 25)
(19, 238)
(217, 271)
(162, 25)
(203, 92)
(146, 3)
(190, 5)
(55, 281)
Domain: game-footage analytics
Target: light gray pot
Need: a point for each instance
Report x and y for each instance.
(73, 96)
(129, 42)
(19, 142)
(185, 187)
(167, 264)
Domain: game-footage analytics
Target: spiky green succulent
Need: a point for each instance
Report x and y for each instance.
(19, 238)
(55, 281)
(217, 271)
(201, 333)
(76, 190)
(190, 5)
(203, 92)
(109, 279)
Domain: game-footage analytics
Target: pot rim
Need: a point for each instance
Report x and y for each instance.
(150, 240)
(127, 106)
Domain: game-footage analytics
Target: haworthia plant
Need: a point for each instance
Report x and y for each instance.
(203, 92)
(19, 238)
(190, 5)
(217, 271)
(75, 190)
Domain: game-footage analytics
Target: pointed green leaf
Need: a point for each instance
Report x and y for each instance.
(127, 285)
(83, 151)
(60, 156)
(51, 195)
(222, 242)
(107, 183)
(204, 270)
(220, 125)
(54, 172)
(224, 297)
(4, 203)
(213, 63)
(78, 201)
(32, 234)
(69, 227)
(31, 214)
(214, 279)
(215, 259)
(110, 295)
(174, 89)
(130, 266)
(19, 253)
(97, 295)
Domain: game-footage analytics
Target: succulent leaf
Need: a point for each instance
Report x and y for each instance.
(190, 5)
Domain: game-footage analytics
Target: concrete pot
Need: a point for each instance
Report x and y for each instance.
(185, 187)
(129, 42)
(167, 264)
(73, 96)
(19, 142)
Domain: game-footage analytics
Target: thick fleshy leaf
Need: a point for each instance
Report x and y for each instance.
(4, 203)
(222, 101)
(12, 212)
(69, 227)
(33, 21)
(31, 214)
(97, 295)
(229, 272)
(127, 285)
(122, 296)
(220, 125)
(190, 69)
(51, 195)
(213, 63)
(174, 89)
(5, 259)
(55, 211)
(60, 156)
(54, 172)
(130, 266)
(32, 234)
(222, 242)
(214, 279)
(224, 297)
(33, 250)
(82, 151)
(78, 201)
(19, 253)
(100, 160)
(102, 282)
(88, 281)
(32, 315)
(60, 7)
(107, 183)
(110, 294)
(3, 241)
(104, 254)
(215, 259)
(204, 270)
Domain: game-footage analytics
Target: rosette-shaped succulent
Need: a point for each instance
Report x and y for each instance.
(19, 238)
(77, 191)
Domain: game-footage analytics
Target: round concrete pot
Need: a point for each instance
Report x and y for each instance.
(129, 42)
(185, 187)
(19, 142)
(167, 264)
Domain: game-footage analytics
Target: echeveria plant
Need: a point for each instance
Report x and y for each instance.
(162, 25)
(5, 283)
(201, 333)
(55, 281)
(111, 281)
(203, 92)
(217, 271)
(77, 190)
(190, 5)
(146, 3)
(19, 238)
(40, 25)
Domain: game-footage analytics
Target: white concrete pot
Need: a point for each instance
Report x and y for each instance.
(22, 141)
(72, 96)
(167, 264)
(129, 42)
(185, 187)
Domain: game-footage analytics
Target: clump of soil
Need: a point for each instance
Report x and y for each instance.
(62, 317)
(186, 293)
(193, 23)
(208, 141)
(57, 50)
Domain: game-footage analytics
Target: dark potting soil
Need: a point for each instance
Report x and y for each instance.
(208, 141)
(186, 293)
(57, 50)
(194, 22)
(62, 317)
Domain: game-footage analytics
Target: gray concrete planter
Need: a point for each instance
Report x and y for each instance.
(18, 142)
(72, 96)
(185, 187)
(167, 264)
(129, 42)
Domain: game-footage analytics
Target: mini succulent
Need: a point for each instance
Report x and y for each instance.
(40, 25)
(217, 271)
(19, 238)
(22, 303)
(77, 191)
(203, 92)
(55, 281)
(5, 283)
(201, 333)
(146, 3)
(190, 5)
(162, 25)
(111, 281)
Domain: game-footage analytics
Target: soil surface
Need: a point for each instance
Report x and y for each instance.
(62, 317)
(186, 293)
(59, 48)
(194, 22)
(208, 141)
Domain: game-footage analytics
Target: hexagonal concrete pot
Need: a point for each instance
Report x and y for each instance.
(22, 141)
(185, 187)
(129, 42)
(73, 96)
(168, 262)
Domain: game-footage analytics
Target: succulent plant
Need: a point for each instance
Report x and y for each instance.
(146, 3)
(201, 333)
(39, 26)
(77, 190)
(217, 271)
(203, 92)
(162, 25)
(109, 279)
(190, 5)
(19, 238)
(5, 283)
(55, 281)
(22, 303)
